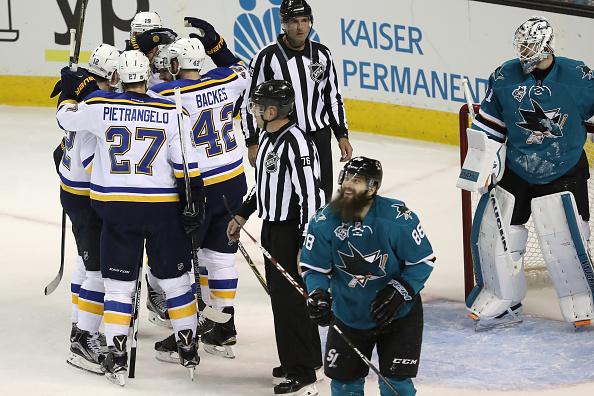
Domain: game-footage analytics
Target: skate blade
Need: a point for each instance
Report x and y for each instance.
(191, 372)
(581, 324)
(225, 351)
(481, 325)
(319, 377)
(309, 390)
(167, 357)
(116, 378)
(83, 364)
(157, 320)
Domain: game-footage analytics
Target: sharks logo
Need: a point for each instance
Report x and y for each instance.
(497, 75)
(541, 123)
(403, 211)
(586, 71)
(362, 267)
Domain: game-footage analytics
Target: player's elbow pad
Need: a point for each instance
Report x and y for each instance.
(485, 158)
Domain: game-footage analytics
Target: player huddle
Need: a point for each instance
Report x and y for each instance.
(150, 164)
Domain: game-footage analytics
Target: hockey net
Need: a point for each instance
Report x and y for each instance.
(534, 266)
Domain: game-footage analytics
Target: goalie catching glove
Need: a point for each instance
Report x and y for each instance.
(319, 304)
(390, 300)
(485, 159)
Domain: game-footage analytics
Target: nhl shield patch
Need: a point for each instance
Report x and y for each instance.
(271, 162)
(316, 71)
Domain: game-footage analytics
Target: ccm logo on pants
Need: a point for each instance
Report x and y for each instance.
(405, 361)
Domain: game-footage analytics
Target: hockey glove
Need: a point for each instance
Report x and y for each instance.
(147, 41)
(76, 85)
(214, 45)
(319, 304)
(193, 215)
(390, 300)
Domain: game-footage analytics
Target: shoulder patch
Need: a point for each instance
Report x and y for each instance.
(402, 211)
(586, 72)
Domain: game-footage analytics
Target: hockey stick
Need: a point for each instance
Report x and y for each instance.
(56, 281)
(210, 313)
(75, 52)
(135, 322)
(245, 254)
(300, 289)
(53, 285)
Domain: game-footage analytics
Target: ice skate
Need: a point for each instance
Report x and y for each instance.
(156, 303)
(511, 317)
(221, 337)
(279, 375)
(85, 351)
(187, 351)
(166, 350)
(294, 387)
(115, 364)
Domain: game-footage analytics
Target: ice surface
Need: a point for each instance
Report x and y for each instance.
(34, 328)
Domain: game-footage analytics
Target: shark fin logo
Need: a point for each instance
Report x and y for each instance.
(362, 267)
(253, 32)
(586, 71)
(541, 124)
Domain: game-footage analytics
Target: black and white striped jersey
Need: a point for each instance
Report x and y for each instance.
(318, 100)
(287, 178)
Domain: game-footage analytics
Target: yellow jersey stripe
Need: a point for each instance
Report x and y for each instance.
(200, 84)
(133, 198)
(183, 312)
(74, 191)
(223, 294)
(90, 307)
(75, 299)
(224, 177)
(116, 319)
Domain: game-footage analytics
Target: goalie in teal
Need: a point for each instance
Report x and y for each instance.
(365, 260)
(533, 114)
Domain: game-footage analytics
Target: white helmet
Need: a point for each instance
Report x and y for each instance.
(104, 60)
(133, 66)
(189, 52)
(144, 21)
(534, 41)
(161, 58)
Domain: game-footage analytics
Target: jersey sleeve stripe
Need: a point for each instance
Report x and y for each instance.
(317, 269)
(500, 137)
(99, 100)
(491, 118)
(429, 260)
(200, 85)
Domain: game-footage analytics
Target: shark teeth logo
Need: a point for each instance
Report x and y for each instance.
(402, 211)
(541, 123)
(362, 267)
(587, 72)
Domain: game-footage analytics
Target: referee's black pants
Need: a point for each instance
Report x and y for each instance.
(297, 338)
(322, 139)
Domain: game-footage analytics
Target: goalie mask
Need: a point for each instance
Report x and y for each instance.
(534, 42)
(368, 168)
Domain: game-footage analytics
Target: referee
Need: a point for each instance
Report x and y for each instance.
(286, 195)
(309, 67)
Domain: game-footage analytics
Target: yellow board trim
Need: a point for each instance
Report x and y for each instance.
(90, 307)
(184, 312)
(116, 319)
(366, 116)
(52, 55)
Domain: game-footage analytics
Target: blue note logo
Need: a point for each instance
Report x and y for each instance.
(252, 32)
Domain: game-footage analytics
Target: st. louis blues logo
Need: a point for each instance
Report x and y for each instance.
(316, 71)
(403, 211)
(362, 267)
(586, 71)
(541, 123)
(252, 32)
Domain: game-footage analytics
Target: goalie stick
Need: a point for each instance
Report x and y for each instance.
(301, 291)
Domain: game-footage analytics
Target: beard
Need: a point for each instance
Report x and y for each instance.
(349, 209)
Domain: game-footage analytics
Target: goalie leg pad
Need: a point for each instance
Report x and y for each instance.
(498, 261)
(564, 245)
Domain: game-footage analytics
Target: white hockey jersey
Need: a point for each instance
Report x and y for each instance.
(210, 102)
(138, 151)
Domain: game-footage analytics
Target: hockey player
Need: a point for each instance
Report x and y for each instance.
(86, 284)
(366, 258)
(210, 100)
(286, 195)
(534, 112)
(134, 191)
